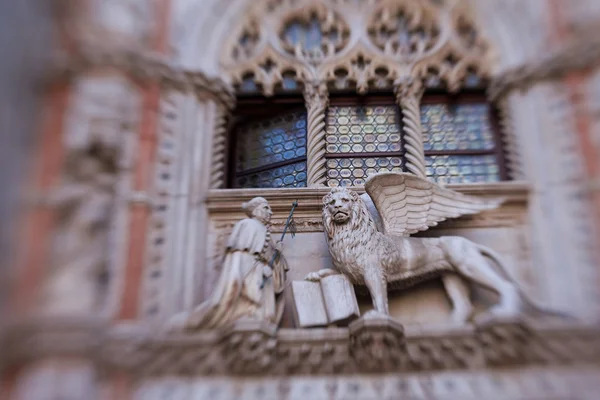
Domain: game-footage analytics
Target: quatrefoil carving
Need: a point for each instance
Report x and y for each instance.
(314, 34)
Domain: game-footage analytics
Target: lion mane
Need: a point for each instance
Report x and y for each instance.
(351, 242)
(353, 239)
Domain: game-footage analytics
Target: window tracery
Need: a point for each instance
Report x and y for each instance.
(402, 30)
(404, 46)
(314, 34)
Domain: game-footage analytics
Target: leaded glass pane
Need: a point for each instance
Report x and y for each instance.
(271, 153)
(363, 129)
(462, 168)
(354, 171)
(460, 127)
(273, 140)
(291, 175)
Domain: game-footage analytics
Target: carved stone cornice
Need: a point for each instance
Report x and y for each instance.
(579, 54)
(224, 205)
(254, 347)
(250, 348)
(142, 65)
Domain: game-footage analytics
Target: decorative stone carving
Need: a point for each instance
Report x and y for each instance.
(316, 98)
(404, 29)
(94, 143)
(314, 33)
(505, 342)
(366, 44)
(84, 207)
(377, 344)
(250, 347)
(382, 260)
(252, 278)
(448, 348)
(247, 42)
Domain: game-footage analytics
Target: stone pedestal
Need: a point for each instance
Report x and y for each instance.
(377, 343)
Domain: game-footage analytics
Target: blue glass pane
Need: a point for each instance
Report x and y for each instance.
(462, 168)
(362, 129)
(354, 171)
(269, 141)
(463, 127)
(293, 175)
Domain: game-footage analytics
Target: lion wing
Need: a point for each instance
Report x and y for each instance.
(408, 203)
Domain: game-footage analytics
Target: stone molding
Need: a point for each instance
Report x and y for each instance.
(253, 347)
(53, 336)
(579, 54)
(224, 205)
(144, 66)
(359, 47)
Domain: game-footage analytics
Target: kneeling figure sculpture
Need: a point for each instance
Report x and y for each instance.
(383, 258)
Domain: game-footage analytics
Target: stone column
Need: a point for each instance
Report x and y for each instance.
(408, 96)
(192, 126)
(218, 167)
(316, 98)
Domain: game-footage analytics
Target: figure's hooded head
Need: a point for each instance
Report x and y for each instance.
(259, 209)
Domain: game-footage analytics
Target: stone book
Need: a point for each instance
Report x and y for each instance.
(330, 301)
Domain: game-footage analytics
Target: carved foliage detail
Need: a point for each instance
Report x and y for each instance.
(377, 344)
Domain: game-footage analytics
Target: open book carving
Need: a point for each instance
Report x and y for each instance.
(329, 301)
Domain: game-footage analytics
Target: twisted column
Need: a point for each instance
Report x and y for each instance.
(408, 96)
(217, 173)
(317, 100)
(512, 152)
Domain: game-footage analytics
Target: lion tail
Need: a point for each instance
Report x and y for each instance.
(532, 305)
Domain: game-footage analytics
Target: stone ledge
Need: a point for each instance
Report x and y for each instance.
(224, 205)
(251, 347)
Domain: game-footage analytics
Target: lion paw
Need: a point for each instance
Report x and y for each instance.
(313, 277)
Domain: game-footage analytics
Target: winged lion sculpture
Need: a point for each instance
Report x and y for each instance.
(368, 241)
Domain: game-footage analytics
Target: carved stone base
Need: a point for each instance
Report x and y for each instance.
(249, 347)
(373, 344)
(377, 343)
(505, 341)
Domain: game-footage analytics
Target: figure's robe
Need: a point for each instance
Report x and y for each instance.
(242, 290)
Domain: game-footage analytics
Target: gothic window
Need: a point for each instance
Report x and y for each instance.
(270, 146)
(363, 136)
(460, 139)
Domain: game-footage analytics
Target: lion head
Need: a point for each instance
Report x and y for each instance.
(343, 209)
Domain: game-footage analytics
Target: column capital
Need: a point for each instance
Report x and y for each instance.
(408, 87)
